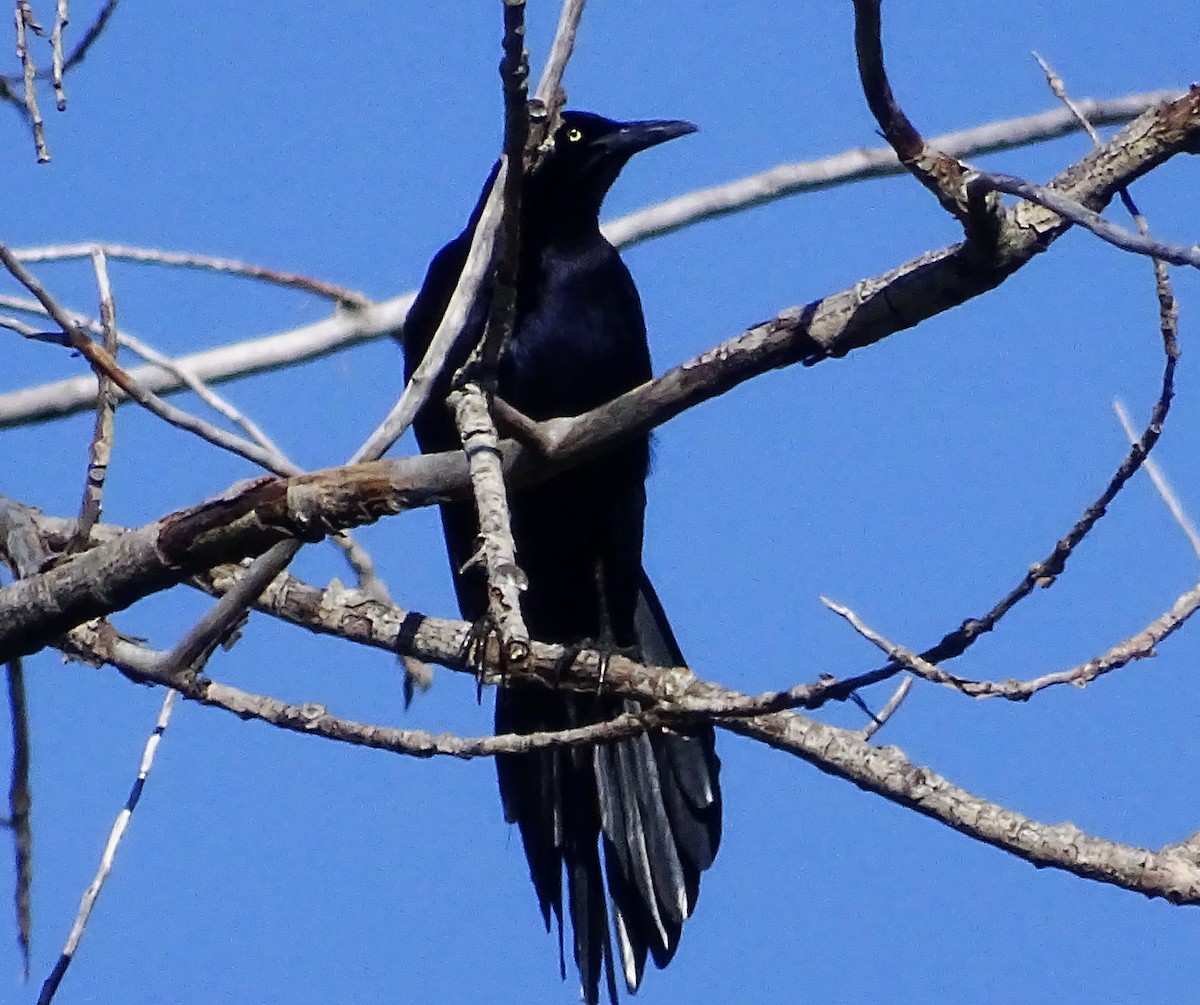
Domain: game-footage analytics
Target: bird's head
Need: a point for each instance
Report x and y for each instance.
(588, 154)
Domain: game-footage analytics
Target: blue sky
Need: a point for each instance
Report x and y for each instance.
(913, 481)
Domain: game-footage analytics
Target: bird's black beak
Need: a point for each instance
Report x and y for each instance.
(634, 136)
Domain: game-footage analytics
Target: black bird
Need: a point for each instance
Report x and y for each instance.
(579, 339)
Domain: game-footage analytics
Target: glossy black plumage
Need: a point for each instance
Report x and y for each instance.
(651, 804)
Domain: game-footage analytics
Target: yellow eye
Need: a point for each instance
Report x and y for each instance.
(574, 135)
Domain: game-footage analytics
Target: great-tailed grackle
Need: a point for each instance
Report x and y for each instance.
(579, 339)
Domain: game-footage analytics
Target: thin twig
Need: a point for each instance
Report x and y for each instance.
(91, 35)
(103, 363)
(221, 405)
(61, 17)
(110, 850)
(340, 331)
(214, 627)
(356, 557)
(896, 127)
(470, 281)
(20, 806)
(889, 709)
(100, 449)
(24, 18)
(980, 182)
(1059, 90)
(1045, 572)
(1139, 646)
(497, 550)
(1161, 483)
(914, 662)
(1168, 309)
(561, 49)
(189, 260)
(148, 667)
(549, 98)
(506, 254)
(80, 52)
(21, 328)
(362, 565)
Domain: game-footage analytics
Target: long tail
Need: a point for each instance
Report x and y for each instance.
(652, 802)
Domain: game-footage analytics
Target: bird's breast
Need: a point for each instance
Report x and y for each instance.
(579, 338)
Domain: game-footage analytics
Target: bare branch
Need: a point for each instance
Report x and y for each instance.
(470, 281)
(885, 771)
(188, 260)
(889, 709)
(356, 556)
(333, 334)
(345, 330)
(979, 183)
(939, 173)
(102, 363)
(120, 825)
(24, 18)
(1161, 484)
(497, 550)
(20, 805)
(148, 667)
(356, 617)
(61, 17)
(100, 449)
(219, 404)
(860, 165)
(1136, 647)
(900, 133)
(91, 35)
(1059, 90)
(481, 443)
(546, 108)
(1045, 572)
(550, 84)
(79, 54)
(214, 628)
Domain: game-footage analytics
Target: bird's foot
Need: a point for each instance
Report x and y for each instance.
(473, 651)
(604, 648)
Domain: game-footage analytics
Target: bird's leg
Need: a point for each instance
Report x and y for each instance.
(605, 641)
(473, 651)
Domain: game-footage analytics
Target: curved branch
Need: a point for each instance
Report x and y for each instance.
(941, 174)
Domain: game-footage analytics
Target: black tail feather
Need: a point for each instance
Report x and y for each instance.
(652, 800)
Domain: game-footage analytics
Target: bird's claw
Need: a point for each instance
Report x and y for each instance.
(605, 650)
(473, 651)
